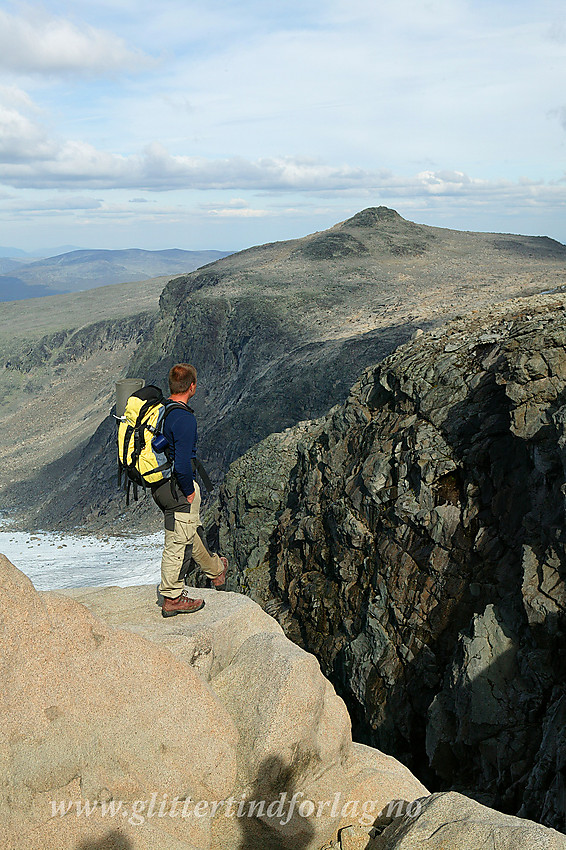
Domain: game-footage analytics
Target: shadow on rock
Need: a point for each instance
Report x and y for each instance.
(273, 821)
(112, 841)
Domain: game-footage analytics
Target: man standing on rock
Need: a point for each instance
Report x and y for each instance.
(179, 499)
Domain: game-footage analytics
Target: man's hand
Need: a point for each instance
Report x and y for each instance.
(191, 497)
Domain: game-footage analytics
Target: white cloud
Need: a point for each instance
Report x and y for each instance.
(235, 208)
(17, 98)
(22, 140)
(456, 82)
(64, 203)
(29, 159)
(231, 212)
(436, 105)
(35, 41)
(42, 163)
(157, 170)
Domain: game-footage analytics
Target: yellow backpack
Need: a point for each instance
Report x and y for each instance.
(141, 459)
(143, 456)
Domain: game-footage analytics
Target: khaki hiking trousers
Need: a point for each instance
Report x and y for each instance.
(184, 534)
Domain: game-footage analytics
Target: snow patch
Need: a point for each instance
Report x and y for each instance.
(55, 561)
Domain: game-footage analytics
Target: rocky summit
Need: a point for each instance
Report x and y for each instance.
(278, 334)
(413, 539)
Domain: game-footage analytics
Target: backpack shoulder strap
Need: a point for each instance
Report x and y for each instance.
(171, 405)
(174, 405)
(205, 478)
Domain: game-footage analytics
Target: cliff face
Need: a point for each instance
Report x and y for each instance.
(59, 360)
(279, 332)
(413, 539)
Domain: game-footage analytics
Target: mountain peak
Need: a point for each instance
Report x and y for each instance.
(372, 216)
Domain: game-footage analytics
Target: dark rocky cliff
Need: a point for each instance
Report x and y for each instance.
(279, 332)
(413, 539)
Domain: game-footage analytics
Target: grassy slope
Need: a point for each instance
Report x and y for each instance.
(36, 317)
(59, 359)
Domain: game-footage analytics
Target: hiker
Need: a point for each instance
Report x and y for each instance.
(179, 499)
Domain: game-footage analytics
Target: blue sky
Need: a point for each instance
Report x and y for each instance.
(226, 124)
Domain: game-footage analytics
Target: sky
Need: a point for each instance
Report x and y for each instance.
(202, 124)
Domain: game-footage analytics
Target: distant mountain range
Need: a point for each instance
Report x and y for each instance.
(30, 256)
(86, 269)
(12, 252)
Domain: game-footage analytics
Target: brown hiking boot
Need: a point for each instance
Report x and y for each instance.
(220, 581)
(181, 605)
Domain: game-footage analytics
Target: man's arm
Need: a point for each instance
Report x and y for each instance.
(183, 429)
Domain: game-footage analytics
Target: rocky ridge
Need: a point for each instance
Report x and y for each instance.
(279, 332)
(413, 539)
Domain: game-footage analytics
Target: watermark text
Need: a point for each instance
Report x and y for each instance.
(282, 809)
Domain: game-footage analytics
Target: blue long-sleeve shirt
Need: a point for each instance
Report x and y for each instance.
(180, 429)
